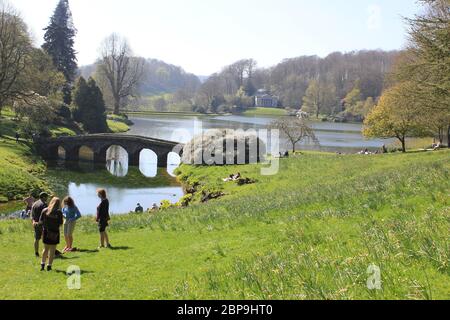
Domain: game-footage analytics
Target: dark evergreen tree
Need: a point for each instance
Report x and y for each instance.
(59, 44)
(89, 106)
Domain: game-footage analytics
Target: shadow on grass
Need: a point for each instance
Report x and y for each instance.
(83, 272)
(86, 251)
(62, 257)
(121, 248)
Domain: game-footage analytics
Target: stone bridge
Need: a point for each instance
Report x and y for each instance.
(100, 143)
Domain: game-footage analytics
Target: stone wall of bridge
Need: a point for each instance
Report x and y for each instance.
(99, 144)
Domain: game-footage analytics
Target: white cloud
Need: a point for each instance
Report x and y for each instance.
(374, 20)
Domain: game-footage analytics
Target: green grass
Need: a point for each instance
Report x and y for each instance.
(20, 173)
(309, 232)
(413, 144)
(58, 131)
(265, 112)
(117, 126)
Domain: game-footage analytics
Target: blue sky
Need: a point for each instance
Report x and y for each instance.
(202, 36)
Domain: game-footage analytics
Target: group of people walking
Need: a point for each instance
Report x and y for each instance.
(47, 220)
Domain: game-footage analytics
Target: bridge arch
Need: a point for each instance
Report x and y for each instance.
(148, 163)
(173, 162)
(117, 160)
(86, 153)
(61, 153)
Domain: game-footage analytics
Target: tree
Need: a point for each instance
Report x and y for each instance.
(36, 112)
(295, 129)
(89, 106)
(320, 98)
(120, 72)
(59, 44)
(426, 63)
(160, 104)
(42, 76)
(353, 97)
(15, 50)
(395, 116)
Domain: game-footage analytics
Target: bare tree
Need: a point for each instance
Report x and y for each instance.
(295, 129)
(15, 50)
(121, 72)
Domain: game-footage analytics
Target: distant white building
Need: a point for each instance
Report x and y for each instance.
(265, 100)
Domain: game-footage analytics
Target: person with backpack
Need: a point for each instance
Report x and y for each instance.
(51, 220)
(36, 211)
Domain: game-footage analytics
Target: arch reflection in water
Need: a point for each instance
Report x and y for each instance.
(148, 163)
(173, 162)
(117, 161)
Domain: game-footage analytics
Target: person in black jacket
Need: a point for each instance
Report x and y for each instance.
(51, 220)
(36, 211)
(103, 218)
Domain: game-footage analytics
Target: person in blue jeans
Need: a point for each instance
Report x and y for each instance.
(71, 215)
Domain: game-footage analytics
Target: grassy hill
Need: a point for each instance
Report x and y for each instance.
(309, 232)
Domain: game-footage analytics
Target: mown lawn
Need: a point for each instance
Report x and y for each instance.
(265, 112)
(309, 232)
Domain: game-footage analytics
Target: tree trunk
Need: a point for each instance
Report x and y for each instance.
(116, 106)
(403, 141)
(448, 136)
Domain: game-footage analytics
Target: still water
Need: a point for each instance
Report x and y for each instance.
(342, 137)
(81, 181)
(127, 186)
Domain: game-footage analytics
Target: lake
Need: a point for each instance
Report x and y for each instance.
(334, 137)
(147, 184)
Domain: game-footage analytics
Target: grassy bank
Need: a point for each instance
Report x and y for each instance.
(265, 112)
(309, 232)
(20, 173)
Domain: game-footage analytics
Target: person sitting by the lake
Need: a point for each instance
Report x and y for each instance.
(71, 215)
(103, 218)
(436, 146)
(24, 215)
(36, 212)
(384, 149)
(154, 208)
(139, 209)
(51, 220)
(233, 177)
(29, 201)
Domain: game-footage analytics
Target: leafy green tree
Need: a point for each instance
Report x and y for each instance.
(89, 107)
(395, 116)
(426, 64)
(320, 98)
(15, 47)
(59, 44)
(353, 97)
(36, 113)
